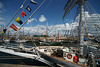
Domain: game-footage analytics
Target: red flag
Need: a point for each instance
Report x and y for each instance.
(23, 14)
(14, 27)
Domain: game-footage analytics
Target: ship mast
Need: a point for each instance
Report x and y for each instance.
(23, 31)
(81, 26)
(58, 36)
(8, 34)
(47, 32)
(69, 5)
(3, 34)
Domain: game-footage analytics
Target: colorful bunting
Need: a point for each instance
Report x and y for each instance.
(19, 21)
(23, 14)
(28, 8)
(4, 30)
(14, 27)
(32, 1)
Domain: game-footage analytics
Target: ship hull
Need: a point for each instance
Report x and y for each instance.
(58, 62)
(6, 58)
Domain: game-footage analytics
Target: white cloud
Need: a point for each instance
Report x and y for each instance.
(74, 25)
(2, 18)
(2, 23)
(32, 19)
(90, 19)
(41, 29)
(61, 27)
(1, 5)
(68, 27)
(87, 14)
(34, 30)
(42, 18)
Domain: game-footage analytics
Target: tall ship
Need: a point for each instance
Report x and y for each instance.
(10, 53)
(86, 33)
(82, 49)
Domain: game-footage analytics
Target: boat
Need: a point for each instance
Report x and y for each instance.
(6, 40)
(20, 41)
(64, 56)
(56, 56)
(10, 54)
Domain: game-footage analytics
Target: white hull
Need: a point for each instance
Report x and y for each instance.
(20, 41)
(31, 56)
(46, 53)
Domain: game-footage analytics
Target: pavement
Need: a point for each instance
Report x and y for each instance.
(17, 65)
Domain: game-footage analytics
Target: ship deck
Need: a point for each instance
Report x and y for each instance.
(47, 54)
(13, 51)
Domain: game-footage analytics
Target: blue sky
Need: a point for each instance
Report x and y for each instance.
(50, 11)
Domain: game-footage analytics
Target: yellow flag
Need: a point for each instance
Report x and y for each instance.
(2, 31)
(18, 19)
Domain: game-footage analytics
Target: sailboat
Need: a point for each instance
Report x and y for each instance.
(62, 56)
(52, 55)
(11, 53)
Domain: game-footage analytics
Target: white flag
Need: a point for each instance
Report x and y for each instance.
(32, 1)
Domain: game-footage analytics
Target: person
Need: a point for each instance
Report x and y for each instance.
(20, 46)
(76, 59)
(90, 59)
